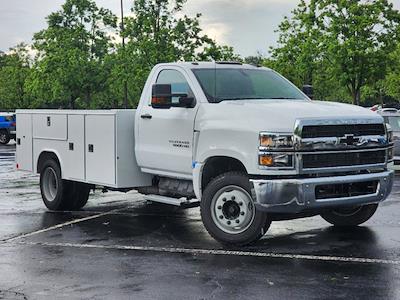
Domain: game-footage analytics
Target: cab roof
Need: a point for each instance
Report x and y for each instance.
(212, 65)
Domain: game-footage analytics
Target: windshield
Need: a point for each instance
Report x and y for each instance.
(394, 122)
(242, 84)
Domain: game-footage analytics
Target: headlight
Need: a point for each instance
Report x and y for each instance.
(276, 160)
(276, 141)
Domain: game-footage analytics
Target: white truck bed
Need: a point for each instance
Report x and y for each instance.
(92, 146)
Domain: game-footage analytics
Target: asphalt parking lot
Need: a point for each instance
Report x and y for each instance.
(120, 247)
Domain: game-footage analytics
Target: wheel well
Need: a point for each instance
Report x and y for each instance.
(43, 157)
(218, 165)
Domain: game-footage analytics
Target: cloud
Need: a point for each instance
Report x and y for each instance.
(247, 25)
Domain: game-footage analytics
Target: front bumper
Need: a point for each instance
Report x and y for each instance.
(297, 195)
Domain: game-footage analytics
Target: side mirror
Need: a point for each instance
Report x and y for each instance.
(161, 96)
(309, 91)
(188, 102)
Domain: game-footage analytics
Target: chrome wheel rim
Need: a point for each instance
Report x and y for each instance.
(50, 184)
(3, 138)
(232, 209)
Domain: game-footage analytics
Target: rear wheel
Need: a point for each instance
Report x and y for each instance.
(53, 188)
(350, 216)
(228, 211)
(59, 194)
(4, 137)
(78, 195)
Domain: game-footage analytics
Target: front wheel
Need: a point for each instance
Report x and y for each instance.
(228, 211)
(4, 137)
(350, 216)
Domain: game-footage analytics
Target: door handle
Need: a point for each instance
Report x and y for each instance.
(146, 116)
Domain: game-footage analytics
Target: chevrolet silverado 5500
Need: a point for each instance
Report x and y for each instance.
(240, 141)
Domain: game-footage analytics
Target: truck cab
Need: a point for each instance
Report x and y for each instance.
(241, 141)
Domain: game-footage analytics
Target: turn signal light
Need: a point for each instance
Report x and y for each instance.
(266, 160)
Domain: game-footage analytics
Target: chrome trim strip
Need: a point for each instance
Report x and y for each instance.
(327, 143)
(341, 151)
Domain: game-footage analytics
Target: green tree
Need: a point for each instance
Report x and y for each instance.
(70, 62)
(297, 54)
(345, 42)
(14, 71)
(360, 37)
(158, 33)
(391, 84)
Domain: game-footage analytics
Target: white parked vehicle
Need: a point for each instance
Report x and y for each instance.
(240, 141)
(392, 117)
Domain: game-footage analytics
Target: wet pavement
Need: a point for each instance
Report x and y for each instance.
(120, 247)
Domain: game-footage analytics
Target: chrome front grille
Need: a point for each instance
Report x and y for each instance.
(340, 145)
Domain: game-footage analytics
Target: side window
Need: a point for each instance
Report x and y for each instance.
(178, 83)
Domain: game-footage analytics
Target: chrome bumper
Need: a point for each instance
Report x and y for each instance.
(297, 195)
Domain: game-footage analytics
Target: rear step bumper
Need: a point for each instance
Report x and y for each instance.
(297, 195)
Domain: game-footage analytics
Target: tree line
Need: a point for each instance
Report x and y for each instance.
(347, 50)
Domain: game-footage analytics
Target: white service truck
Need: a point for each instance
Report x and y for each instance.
(240, 141)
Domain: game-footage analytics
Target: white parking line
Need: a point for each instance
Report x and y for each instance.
(60, 225)
(224, 252)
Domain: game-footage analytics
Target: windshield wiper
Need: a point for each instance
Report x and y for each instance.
(284, 98)
(238, 98)
(218, 100)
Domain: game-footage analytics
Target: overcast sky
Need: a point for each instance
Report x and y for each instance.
(247, 25)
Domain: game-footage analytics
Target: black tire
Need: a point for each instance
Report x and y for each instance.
(4, 137)
(352, 216)
(55, 191)
(78, 195)
(253, 230)
(68, 195)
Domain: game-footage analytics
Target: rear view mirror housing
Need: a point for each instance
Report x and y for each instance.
(308, 90)
(188, 102)
(161, 96)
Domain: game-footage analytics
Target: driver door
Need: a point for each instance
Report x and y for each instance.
(165, 144)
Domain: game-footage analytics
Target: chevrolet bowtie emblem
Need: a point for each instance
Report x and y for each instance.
(349, 140)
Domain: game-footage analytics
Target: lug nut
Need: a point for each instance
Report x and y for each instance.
(242, 213)
(221, 217)
(233, 198)
(224, 199)
(219, 207)
(237, 221)
(240, 203)
(229, 222)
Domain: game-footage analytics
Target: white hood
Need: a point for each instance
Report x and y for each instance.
(278, 115)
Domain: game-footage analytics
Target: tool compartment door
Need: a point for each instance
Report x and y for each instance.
(50, 126)
(24, 142)
(100, 141)
(74, 169)
(100, 149)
